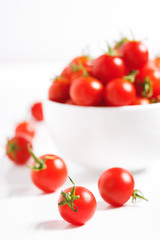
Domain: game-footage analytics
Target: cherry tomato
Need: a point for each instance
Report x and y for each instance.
(48, 172)
(116, 186)
(72, 72)
(27, 128)
(17, 149)
(78, 67)
(107, 67)
(148, 82)
(86, 61)
(119, 92)
(77, 205)
(135, 54)
(59, 90)
(86, 91)
(37, 111)
(141, 101)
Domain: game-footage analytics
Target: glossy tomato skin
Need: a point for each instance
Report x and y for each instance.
(86, 91)
(116, 186)
(119, 92)
(51, 178)
(86, 205)
(107, 67)
(141, 101)
(17, 149)
(135, 54)
(26, 128)
(59, 90)
(37, 111)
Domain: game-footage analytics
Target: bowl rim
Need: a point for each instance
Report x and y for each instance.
(106, 108)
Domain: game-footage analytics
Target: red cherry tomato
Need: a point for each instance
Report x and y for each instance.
(107, 67)
(17, 149)
(37, 111)
(141, 101)
(59, 90)
(49, 172)
(86, 61)
(77, 205)
(119, 92)
(72, 72)
(135, 54)
(116, 186)
(86, 91)
(77, 68)
(27, 128)
(148, 82)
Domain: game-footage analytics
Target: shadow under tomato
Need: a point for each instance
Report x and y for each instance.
(55, 225)
(103, 206)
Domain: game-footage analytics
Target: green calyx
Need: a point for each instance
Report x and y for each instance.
(39, 164)
(76, 68)
(147, 88)
(111, 51)
(137, 194)
(69, 198)
(12, 148)
(131, 76)
(121, 42)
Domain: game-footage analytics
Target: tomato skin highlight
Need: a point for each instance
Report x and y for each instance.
(86, 91)
(17, 149)
(86, 205)
(135, 54)
(119, 92)
(141, 101)
(116, 186)
(59, 90)
(26, 128)
(107, 67)
(51, 178)
(37, 111)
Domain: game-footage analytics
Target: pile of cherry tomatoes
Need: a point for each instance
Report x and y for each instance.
(123, 76)
(76, 204)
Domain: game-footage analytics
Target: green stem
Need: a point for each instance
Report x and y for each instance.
(40, 164)
(69, 198)
(138, 194)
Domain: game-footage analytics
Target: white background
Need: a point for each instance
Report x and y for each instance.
(36, 39)
(52, 30)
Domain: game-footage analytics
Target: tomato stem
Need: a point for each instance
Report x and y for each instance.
(131, 76)
(76, 68)
(69, 198)
(39, 164)
(147, 88)
(138, 194)
(111, 51)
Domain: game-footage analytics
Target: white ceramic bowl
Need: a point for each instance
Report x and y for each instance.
(103, 137)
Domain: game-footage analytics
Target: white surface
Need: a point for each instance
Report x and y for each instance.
(58, 29)
(27, 213)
